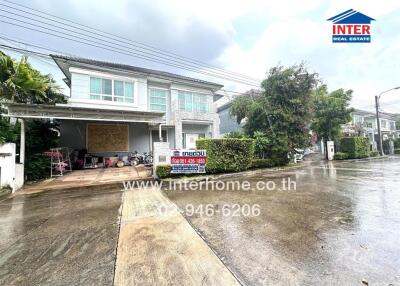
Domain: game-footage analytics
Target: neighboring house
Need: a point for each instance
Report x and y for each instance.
(115, 108)
(228, 123)
(364, 123)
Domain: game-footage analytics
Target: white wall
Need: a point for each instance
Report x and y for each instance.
(80, 90)
(11, 174)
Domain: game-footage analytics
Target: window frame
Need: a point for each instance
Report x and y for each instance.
(194, 107)
(112, 95)
(150, 96)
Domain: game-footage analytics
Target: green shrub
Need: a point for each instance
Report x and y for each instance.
(397, 143)
(236, 134)
(373, 153)
(340, 156)
(397, 151)
(228, 154)
(163, 171)
(37, 167)
(355, 147)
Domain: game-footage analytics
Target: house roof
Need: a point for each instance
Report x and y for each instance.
(351, 16)
(252, 92)
(369, 114)
(64, 62)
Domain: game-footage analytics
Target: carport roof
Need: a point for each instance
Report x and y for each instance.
(65, 111)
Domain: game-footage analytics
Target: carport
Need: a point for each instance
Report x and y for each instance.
(131, 129)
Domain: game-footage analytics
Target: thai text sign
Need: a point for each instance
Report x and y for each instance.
(188, 161)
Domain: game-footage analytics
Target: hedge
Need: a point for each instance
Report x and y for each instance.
(163, 171)
(227, 154)
(397, 151)
(355, 147)
(373, 153)
(340, 156)
(397, 143)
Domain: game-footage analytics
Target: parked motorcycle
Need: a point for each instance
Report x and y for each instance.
(136, 158)
(147, 158)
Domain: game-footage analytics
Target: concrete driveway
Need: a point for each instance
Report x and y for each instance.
(340, 226)
(102, 237)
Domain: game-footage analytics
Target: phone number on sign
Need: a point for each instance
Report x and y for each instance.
(234, 210)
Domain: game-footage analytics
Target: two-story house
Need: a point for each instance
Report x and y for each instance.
(364, 123)
(116, 108)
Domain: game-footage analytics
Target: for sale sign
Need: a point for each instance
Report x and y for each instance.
(188, 161)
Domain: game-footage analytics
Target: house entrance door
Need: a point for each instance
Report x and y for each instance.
(191, 140)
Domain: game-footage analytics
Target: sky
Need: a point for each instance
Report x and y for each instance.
(247, 37)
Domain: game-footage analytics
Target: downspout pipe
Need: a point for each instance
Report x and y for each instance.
(160, 131)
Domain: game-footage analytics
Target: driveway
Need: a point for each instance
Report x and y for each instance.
(341, 226)
(59, 238)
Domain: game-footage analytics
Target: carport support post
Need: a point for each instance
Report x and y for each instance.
(22, 142)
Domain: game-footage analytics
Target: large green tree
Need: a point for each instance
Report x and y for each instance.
(21, 83)
(331, 111)
(283, 110)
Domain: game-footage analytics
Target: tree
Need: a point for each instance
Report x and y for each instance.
(21, 83)
(283, 110)
(331, 111)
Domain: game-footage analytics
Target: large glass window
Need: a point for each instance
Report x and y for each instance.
(158, 99)
(123, 91)
(190, 101)
(102, 89)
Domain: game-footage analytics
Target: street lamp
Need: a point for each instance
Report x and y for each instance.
(378, 121)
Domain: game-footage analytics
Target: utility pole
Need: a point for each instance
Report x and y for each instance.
(378, 122)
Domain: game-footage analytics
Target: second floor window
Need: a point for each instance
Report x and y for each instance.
(158, 99)
(193, 102)
(100, 89)
(383, 123)
(109, 90)
(392, 125)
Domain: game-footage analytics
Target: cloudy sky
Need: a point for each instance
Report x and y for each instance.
(247, 37)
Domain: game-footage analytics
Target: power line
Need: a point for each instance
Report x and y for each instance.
(210, 69)
(113, 49)
(44, 55)
(138, 44)
(113, 44)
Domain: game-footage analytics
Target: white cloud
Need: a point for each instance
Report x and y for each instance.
(285, 32)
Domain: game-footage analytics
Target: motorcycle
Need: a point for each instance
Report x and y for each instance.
(136, 158)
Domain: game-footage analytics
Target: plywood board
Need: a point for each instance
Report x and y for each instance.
(107, 138)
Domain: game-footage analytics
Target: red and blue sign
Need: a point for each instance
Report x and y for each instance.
(351, 27)
(188, 161)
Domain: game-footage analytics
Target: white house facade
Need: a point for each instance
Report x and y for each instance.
(364, 123)
(114, 108)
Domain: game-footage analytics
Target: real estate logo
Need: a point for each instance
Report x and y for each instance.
(351, 27)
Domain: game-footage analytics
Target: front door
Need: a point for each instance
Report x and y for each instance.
(191, 140)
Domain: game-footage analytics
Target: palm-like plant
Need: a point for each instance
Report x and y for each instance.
(21, 83)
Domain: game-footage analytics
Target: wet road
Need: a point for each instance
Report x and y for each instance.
(341, 225)
(59, 238)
